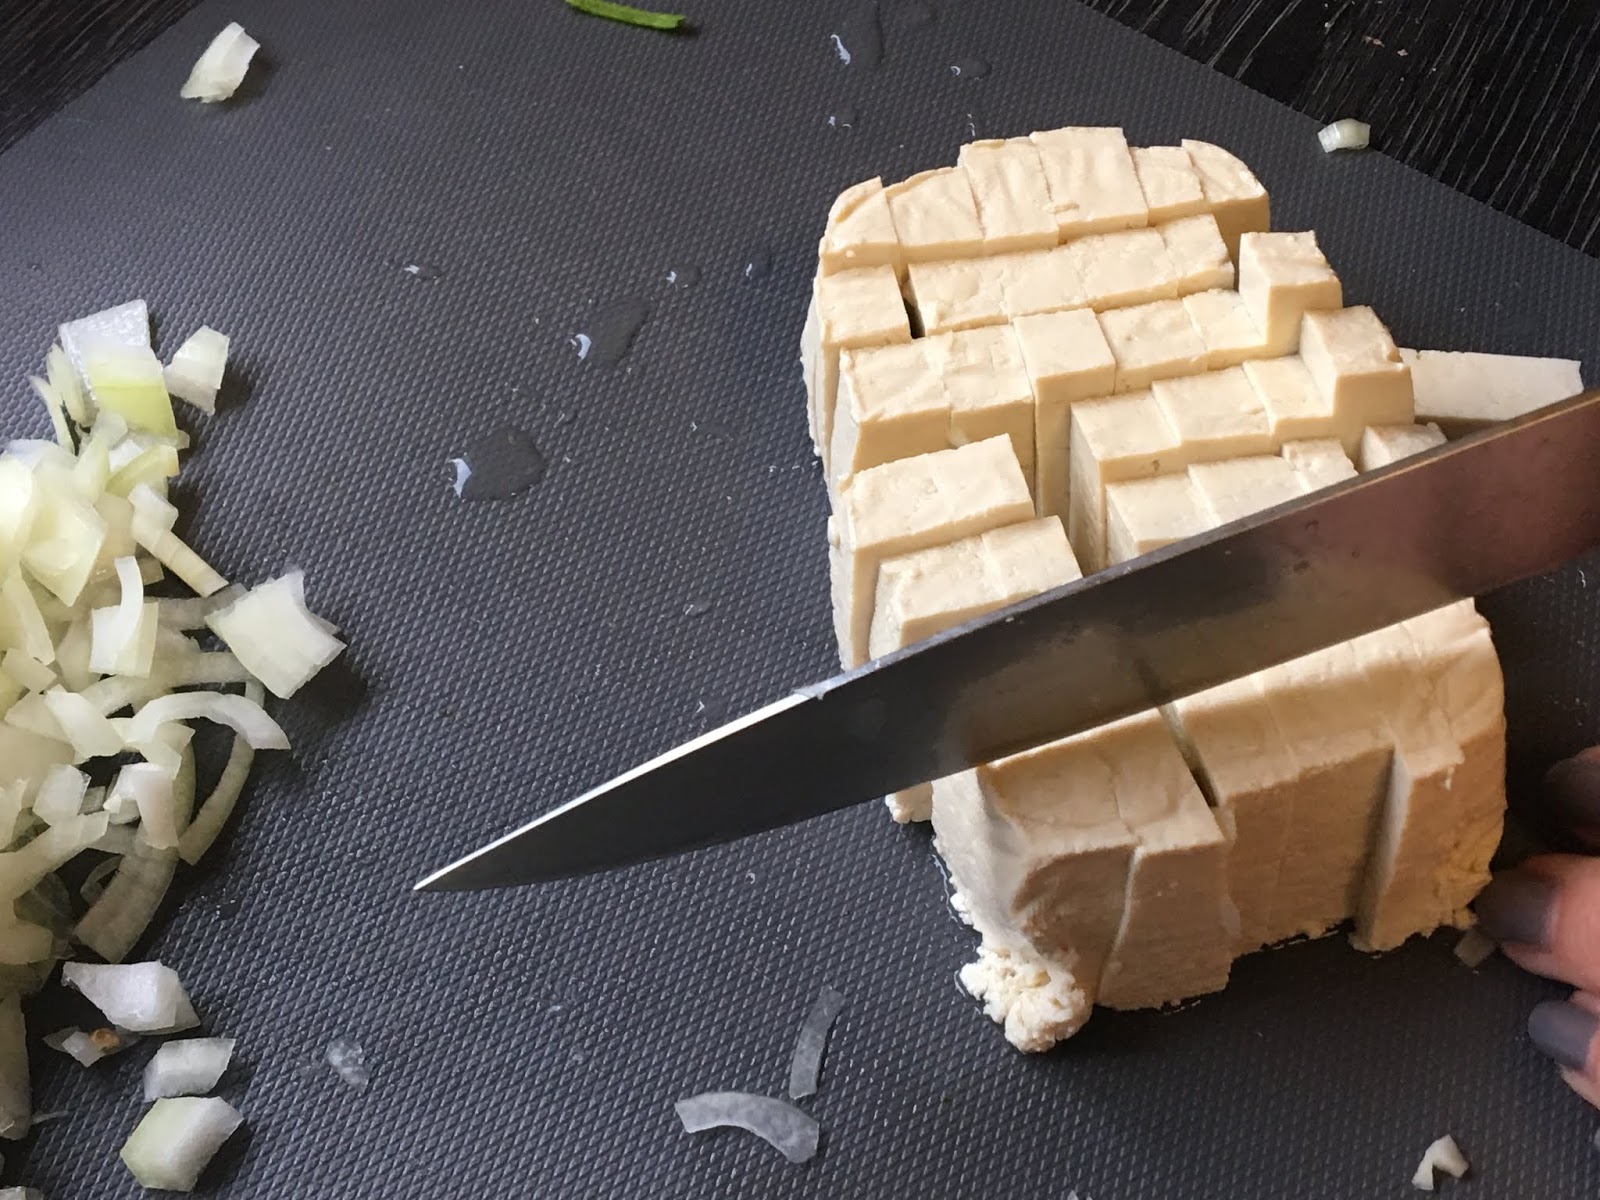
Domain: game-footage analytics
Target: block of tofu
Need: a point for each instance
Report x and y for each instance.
(1145, 514)
(913, 504)
(1129, 266)
(1225, 325)
(1067, 360)
(1114, 439)
(1295, 408)
(1199, 256)
(1152, 341)
(1238, 487)
(935, 216)
(1233, 193)
(1216, 415)
(1169, 182)
(1324, 705)
(1357, 367)
(1464, 392)
(1320, 462)
(1094, 187)
(1237, 753)
(860, 231)
(1012, 198)
(1178, 928)
(848, 309)
(968, 293)
(1385, 444)
(1282, 277)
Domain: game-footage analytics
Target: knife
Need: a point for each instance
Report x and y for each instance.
(1465, 518)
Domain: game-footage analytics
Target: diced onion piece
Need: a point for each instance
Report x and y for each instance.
(93, 468)
(60, 796)
(22, 869)
(153, 518)
(1348, 134)
(176, 1139)
(89, 1048)
(805, 1069)
(123, 639)
(1444, 1155)
(1474, 949)
(28, 671)
(192, 614)
(68, 386)
(17, 504)
(240, 714)
(16, 1096)
(151, 789)
(221, 68)
(68, 535)
(130, 383)
(125, 327)
(151, 466)
(349, 1062)
(90, 733)
(118, 918)
(776, 1122)
(195, 372)
(143, 997)
(57, 411)
(218, 806)
(187, 1068)
(23, 942)
(277, 638)
(21, 1193)
(20, 611)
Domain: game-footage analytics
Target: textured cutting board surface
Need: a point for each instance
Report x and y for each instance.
(504, 656)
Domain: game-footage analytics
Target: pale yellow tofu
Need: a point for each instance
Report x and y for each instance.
(1296, 410)
(1067, 360)
(1385, 444)
(1282, 277)
(1225, 325)
(1320, 462)
(848, 309)
(1012, 198)
(912, 504)
(1130, 266)
(1169, 182)
(990, 390)
(1465, 392)
(860, 231)
(1178, 929)
(1199, 256)
(1233, 194)
(1216, 415)
(935, 216)
(1238, 487)
(1151, 342)
(972, 292)
(1356, 366)
(1094, 187)
(1114, 439)
(1146, 514)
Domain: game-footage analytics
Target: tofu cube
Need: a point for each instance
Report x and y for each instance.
(1216, 415)
(1118, 269)
(860, 231)
(1296, 410)
(854, 308)
(1356, 366)
(1151, 342)
(1385, 444)
(968, 293)
(1094, 187)
(1466, 392)
(1282, 277)
(935, 216)
(1240, 487)
(1199, 256)
(1114, 439)
(1320, 462)
(1233, 194)
(1169, 182)
(1012, 198)
(1145, 514)
(1225, 325)
(1067, 360)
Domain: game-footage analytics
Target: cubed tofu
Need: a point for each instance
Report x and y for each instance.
(1357, 367)
(1151, 342)
(1199, 256)
(1465, 392)
(1067, 360)
(860, 231)
(1233, 193)
(1013, 200)
(1130, 266)
(1146, 514)
(1320, 462)
(1094, 187)
(1216, 415)
(935, 216)
(848, 309)
(1282, 277)
(1114, 439)
(968, 293)
(1238, 487)
(1296, 410)
(1385, 444)
(913, 504)
(1169, 182)
(1229, 332)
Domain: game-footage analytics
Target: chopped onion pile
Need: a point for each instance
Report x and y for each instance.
(776, 1122)
(221, 68)
(1443, 1155)
(176, 1139)
(1348, 134)
(187, 1068)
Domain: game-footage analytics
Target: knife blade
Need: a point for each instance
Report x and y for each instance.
(1460, 520)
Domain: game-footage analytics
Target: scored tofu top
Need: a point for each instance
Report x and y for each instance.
(882, 508)
(1066, 350)
(1157, 798)
(1294, 406)
(1170, 184)
(964, 293)
(1325, 706)
(1012, 198)
(1216, 414)
(1348, 341)
(860, 231)
(1320, 462)
(1198, 252)
(1152, 341)
(1129, 266)
(1420, 728)
(1063, 787)
(861, 307)
(1385, 444)
(1131, 425)
(935, 215)
(1231, 335)
(1093, 184)
(1146, 514)
(1237, 487)
(1223, 176)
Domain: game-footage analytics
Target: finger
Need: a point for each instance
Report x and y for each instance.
(1545, 914)
(1566, 1031)
(1571, 796)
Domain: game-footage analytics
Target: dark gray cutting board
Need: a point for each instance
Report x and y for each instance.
(505, 656)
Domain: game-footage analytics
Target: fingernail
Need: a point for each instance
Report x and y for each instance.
(1572, 792)
(1563, 1031)
(1515, 907)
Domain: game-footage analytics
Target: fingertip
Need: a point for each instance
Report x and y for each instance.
(1571, 795)
(1565, 1032)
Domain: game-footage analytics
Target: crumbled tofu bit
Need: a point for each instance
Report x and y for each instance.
(1295, 408)
(1385, 444)
(1093, 185)
(1216, 415)
(1238, 487)
(1012, 198)
(1067, 360)
(1199, 256)
(1169, 182)
(849, 309)
(1473, 949)
(1130, 266)
(1039, 1003)
(910, 505)
(1283, 276)
(1151, 342)
(1145, 514)
(1443, 1155)
(860, 231)
(1114, 439)
(935, 216)
(1355, 365)
(1226, 327)
(1464, 392)
(1234, 195)
(972, 292)
(1320, 462)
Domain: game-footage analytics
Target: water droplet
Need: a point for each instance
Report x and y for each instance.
(424, 271)
(609, 332)
(859, 39)
(916, 16)
(696, 608)
(498, 466)
(842, 118)
(683, 278)
(969, 68)
(758, 265)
